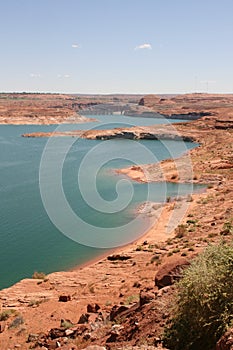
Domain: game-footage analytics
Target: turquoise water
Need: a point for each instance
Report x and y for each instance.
(29, 240)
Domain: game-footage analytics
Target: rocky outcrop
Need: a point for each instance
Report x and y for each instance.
(189, 106)
(134, 133)
(170, 272)
(223, 124)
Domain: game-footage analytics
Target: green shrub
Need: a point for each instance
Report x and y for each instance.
(189, 222)
(155, 258)
(227, 228)
(204, 305)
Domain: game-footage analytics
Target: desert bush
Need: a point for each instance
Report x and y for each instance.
(16, 322)
(227, 228)
(180, 231)
(132, 299)
(203, 307)
(6, 314)
(39, 275)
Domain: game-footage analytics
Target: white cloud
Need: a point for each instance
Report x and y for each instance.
(35, 75)
(143, 47)
(75, 46)
(63, 76)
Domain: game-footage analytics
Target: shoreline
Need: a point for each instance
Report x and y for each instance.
(140, 177)
(80, 120)
(151, 236)
(147, 235)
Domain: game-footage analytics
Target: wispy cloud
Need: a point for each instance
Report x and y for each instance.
(35, 75)
(63, 76)
(143, 47)
(76, 46)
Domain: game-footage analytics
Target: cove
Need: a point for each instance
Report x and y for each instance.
(29, 241)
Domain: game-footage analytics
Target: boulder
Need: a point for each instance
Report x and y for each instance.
(83, 318)
(93, 308)
(171, 271)
(64, 298)
(55, 333)
(146, 297)
(116, 311)
(112, 338)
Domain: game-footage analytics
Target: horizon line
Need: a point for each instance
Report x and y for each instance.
(115, 93)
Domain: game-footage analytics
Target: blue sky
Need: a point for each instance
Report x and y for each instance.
(116, 46)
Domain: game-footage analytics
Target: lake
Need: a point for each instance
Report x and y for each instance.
(61, 202)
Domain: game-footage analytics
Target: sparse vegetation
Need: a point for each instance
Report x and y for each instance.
(212, 234)
(39, 275)
(36, 302)
(227, 228)
(176, 250)
(137, 284)
(180, 231)
(169, 241)
(66, 324)
(205, 200)
(91, 288)
(203, 308)
(189, 222)
(16, 322)
(132, 299)
(155, 258)
(191, 249)
(6, 314)
(184, 254)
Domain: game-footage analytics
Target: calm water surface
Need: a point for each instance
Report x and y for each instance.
(29, 241)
